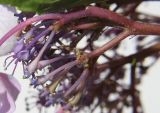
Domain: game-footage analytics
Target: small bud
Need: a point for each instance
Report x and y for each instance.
(74, 100)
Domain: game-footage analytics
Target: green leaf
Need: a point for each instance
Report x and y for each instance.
(48, 5)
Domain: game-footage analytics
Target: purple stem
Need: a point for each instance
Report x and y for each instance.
(51, 75)
(9, 64)
(16, 63)
(78, 84)
(43, 63)
(33, 65)
(7, 59)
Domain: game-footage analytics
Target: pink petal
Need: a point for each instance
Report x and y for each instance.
(11, 103)
(10, 84)
(5, 106)
(7, 103)
(9, 90)
(15, 86)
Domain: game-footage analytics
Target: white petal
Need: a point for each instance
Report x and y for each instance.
(7, 21)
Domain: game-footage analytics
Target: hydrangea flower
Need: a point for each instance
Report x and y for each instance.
(9, 91)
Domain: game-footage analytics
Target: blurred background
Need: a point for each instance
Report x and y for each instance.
(149, 87)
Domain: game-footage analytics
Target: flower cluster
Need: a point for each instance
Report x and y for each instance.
(39, 46)
(73, 76)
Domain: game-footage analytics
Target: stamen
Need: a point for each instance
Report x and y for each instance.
(5, 68)
(16, 62)
(5, 62)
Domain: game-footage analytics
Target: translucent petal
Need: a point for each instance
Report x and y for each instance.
(5, 25)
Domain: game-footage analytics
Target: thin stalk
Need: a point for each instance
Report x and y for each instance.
(110, 44)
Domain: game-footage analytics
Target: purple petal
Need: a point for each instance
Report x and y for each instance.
(10, 89)
(5, 106)
(19, 46)
(11, 84)
(11, 103)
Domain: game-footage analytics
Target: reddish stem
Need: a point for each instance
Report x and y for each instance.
(87, 26)
(124, 60)
(135, 27)
(110, 44)
(92, 11)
